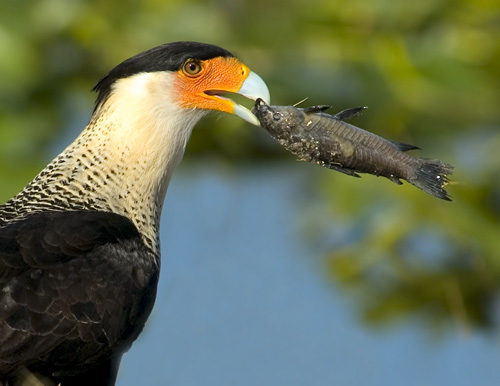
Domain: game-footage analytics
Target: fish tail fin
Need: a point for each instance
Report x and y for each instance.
(432, 176)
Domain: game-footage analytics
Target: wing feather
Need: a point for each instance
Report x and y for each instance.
(81, 281)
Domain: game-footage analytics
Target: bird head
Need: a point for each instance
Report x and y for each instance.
(200, 76)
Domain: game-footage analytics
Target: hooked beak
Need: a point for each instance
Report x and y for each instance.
(253, 88)
(217, 78)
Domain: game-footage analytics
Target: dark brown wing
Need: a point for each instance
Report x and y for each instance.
(75, 291)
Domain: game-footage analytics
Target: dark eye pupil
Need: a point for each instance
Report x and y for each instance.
(192, 67)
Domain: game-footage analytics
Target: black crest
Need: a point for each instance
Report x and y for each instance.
(167, 57)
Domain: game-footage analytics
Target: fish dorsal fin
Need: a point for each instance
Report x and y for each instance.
(316, 109)
(349, 113)
(404, 146)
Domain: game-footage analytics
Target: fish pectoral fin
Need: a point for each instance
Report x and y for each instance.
(395, 180)
(405, 146)
(315, 109)
(349, 113)
(340, 169)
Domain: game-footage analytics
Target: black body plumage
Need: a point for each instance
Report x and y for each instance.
(77, 288)
(79, 246)
(327, 140)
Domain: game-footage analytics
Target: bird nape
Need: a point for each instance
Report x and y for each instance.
(79, 248)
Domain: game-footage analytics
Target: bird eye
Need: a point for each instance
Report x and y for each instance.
(192, 67)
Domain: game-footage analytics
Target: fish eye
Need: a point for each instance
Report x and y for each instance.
(277, 116)
(192, 67)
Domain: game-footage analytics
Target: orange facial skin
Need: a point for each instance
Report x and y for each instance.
(199, 82)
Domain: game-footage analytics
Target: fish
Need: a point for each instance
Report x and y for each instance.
(327, 140)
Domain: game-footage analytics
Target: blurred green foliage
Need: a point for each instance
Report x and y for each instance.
(428, 70)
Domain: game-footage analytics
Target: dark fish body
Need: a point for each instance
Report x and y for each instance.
(327, 140)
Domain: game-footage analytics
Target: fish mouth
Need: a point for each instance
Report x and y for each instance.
(260, 106)
(262, 110)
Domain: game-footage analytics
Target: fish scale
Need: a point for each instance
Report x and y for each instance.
(327, 140)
